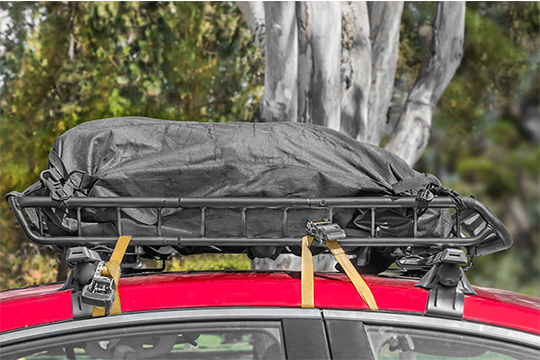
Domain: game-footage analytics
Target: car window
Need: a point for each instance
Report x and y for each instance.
(205, 341)
(393, 343)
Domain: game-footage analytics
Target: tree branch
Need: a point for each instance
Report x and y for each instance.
(413, 128)
(253, 12)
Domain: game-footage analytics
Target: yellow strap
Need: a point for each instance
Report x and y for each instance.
(353, 275)
(112, 270)
(307, 273)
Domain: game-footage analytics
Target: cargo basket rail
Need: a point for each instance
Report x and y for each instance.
(492, 236)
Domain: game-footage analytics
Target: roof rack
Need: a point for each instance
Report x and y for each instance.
(486, 237)
(476, 231)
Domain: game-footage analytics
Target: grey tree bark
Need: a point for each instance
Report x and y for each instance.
(280, 97)
(253, 12)
(326, 52)
(384, 21)
(356, 69)
(305, 60)
(411, 135)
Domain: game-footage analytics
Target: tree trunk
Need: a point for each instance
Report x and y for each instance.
(326, 50)
(412, 132)
(305, 60)
(253, 12)
(280, 95)
(356, 69)
(384, 21)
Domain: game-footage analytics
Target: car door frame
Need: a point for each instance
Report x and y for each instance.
(420, 321)
(303, 330)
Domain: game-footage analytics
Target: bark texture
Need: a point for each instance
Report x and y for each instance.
(411, 135)
(280, 96)
(334, 64)
(305, 60)
(326, 50)
(384, 21)
(356, 69)
(253, 12)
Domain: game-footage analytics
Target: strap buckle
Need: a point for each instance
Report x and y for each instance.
(94, 281)
(424, 196)
(100, 291)
(51, 178)
(323, 231)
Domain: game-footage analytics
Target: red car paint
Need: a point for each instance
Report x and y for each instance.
(45, 304)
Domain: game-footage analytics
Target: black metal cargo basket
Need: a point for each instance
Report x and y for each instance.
(475, 226)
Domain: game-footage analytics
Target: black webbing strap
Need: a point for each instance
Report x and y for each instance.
(58, 164)
(410, 186)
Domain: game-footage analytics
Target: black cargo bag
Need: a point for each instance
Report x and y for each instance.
(142, 157)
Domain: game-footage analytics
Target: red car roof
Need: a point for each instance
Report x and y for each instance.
(45, 304)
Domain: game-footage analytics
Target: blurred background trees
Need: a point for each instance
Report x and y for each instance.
(65, 63)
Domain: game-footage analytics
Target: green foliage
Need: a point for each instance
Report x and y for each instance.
(65, 63)
(210, 262)
(482, 142)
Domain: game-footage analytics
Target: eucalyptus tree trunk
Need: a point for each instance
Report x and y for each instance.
(334, 64)
(305, 60)
(356, 69)
(326, 54)
(253, 12)
(384, 21)
(280, 97)
(411, 135)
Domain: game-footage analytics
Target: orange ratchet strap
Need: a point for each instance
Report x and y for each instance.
(328, 233)
(307, 273)
(112, 270)
(352, 273)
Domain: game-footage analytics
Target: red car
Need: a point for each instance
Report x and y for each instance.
(428, 311)
(249, 315)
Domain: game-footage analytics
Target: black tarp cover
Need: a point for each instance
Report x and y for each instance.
(158, 158)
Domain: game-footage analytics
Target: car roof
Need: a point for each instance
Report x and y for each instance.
(45, 304)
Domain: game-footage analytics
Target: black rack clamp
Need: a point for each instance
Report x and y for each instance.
(90, 288)
(323, 231)
(447, 284)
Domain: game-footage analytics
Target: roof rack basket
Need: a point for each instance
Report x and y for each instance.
(488, 237)
(476, 230)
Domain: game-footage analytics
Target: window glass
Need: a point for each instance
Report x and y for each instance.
(397, 343)
(171, 341)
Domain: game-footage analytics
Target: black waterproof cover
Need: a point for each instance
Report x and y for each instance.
(145, 157)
